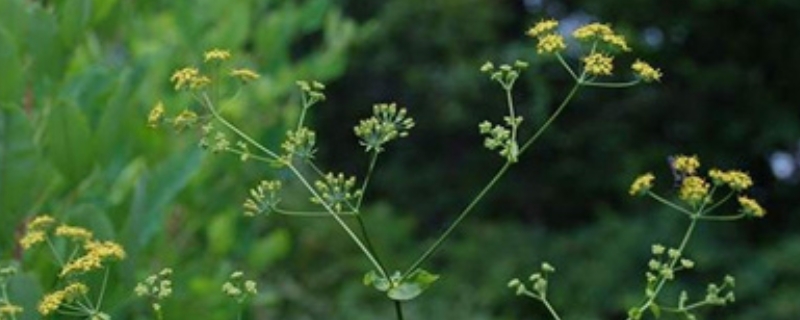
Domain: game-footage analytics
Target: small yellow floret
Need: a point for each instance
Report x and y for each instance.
(646, 72)
(592, 30)
(41, 222)
(51, 302)
(96, 253)
(217, 54)
(686, 164)
(74, 233)
(31, 238)
(598, 64)
(617, 41)
(184, 77)
(551, 43)
(155, 115)
(751, 207)
(184, 119)
(245, 75)
(734, 179)
(642, 184)
(694, 190)
(542, 27)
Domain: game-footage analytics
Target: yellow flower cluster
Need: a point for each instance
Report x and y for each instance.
(751, 207)
(602, 32)
(96, 253)
(592, 30)
(217, 54)
(604, 43)
(51, 302)
(74, 233)
(598, 64)
(646, 72)
(642, 184)
(155, 115)
(694, 190)
(189, 78)
(549, 41)
(686, 164)
(36, 231)
(245, 75)
(734, 179)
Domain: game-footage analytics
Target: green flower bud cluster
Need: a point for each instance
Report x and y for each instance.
(501, 137)
(716, 295)
(157, 287)
(388, 122)
(263, 198)
(539, 283)
(506, 74)
(664, 264)
(312, 92)
(300, 143)
(239, 288)
(335, 191)
(214, 140)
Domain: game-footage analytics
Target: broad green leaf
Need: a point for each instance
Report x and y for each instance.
(412, 287)
(11, 80)
(91, 217)
(126, 180)
(73, 17)
(67, 141)
(154, 192)
(24, 289)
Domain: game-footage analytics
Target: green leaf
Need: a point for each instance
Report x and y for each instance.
(413, 286)
(375, 280)
(221, 233)
(275, 247)
(11, 82)
(74, 17)
(67, 141)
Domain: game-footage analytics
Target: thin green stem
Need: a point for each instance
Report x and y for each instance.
(723, 218)
(398, 309)
(435, 246)
(310, 214)
(373, 160)
(566, 66)
(500, 172)
(368, 243)
(672, 263)
(669, 203)
(339, 220)
(251, 141)
(514, 125)
(102, 289)
(249, 155)
(611, 84)
(552, 118)
(306, 105)
(718, 203)
(551, 309)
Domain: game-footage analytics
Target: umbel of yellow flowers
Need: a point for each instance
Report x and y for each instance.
(603, 42)
(697, 191)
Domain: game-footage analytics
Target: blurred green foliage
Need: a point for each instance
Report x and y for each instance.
(78, 78)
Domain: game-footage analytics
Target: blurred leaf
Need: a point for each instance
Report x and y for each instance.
(375, 280)
(221, 233)
(25, 290)
(91, 217)
(11, 84)
(126, 180)
(275, 247)
(154, 192)
(67, 141)
(73, 17)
